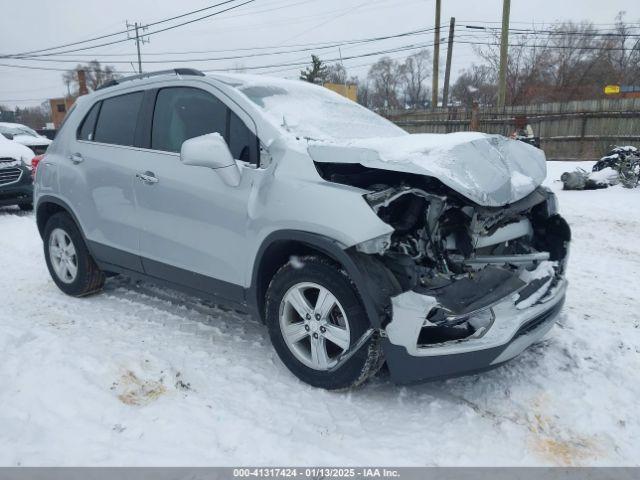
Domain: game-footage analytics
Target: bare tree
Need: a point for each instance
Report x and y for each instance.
(96, 75)
(526, 65)
(336, 73)
(478, 83)
(385, 78)
(625, 54)
(364, 91)
(34, 117)
(572, 62)
(415, 71)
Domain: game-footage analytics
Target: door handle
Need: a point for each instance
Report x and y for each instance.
(147, 177)
(76, 158)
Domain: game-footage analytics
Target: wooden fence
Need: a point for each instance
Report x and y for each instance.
(583, 130)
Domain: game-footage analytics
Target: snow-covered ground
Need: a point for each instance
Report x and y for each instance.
(143, 376)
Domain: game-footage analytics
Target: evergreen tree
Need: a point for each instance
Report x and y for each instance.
(316, 73)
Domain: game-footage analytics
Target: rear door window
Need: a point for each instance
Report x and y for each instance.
(118, 118)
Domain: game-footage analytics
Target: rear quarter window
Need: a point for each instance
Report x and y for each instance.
(88, 125)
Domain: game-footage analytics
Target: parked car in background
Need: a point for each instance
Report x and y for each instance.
(16, 183)
(354, 241)
(26, 136)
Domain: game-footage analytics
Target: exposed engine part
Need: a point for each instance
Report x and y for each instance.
(511, 231)
(471, 294)
(465, 256)
(523, 259)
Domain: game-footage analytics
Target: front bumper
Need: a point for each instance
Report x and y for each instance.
(510, 333)
(17, 191)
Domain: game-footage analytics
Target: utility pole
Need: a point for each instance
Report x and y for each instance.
(138, 39)
(447, 71)
(436, 58)
(504, 54)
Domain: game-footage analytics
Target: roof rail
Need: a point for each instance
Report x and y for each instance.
(175, 71)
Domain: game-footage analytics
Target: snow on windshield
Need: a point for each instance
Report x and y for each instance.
(311, 111)
(17, 130)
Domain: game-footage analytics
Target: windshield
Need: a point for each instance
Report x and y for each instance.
(314, 112)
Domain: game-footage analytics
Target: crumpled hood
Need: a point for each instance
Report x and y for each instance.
(490, 170)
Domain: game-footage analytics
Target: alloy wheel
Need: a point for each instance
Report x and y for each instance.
(63, 256)
(314, 325)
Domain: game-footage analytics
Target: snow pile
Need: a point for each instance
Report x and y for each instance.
(143, 376)
(606, 176)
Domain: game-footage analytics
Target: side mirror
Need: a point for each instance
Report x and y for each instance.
(211, 151)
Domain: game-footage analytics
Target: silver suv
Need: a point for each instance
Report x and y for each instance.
(356, 243)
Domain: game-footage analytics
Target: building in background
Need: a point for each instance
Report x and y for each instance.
(59, 109)
(348, 90)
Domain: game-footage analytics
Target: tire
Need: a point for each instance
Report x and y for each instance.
(88, 278)
(25, 207)
(347, 320)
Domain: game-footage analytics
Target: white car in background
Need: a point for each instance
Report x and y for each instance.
(26, 136)
(16, 185)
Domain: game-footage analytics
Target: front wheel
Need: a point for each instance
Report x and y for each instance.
(68, 259)
(315, 315)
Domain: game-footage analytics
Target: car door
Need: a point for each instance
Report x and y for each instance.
(103, 156)
(193, 225)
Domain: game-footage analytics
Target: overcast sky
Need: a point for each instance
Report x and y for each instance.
(36, 24)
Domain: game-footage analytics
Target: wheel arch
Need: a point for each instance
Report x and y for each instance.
(277, 249)
(47, 207)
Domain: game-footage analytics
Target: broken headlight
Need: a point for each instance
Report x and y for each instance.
(375, 245)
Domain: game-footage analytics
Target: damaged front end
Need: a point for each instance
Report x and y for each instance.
(478, 284)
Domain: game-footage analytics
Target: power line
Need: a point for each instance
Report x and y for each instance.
(551, 47)
(378, 52)
(346, 12)
(31, 67)
(128, 30)
(524, 31)
(260, 67)
(311, 47)
(336, 59)
(18, 56)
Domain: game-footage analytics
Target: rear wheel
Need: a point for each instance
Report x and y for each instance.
(68, 259)
(315, 315)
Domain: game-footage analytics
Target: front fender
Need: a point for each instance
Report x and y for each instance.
(348, 259)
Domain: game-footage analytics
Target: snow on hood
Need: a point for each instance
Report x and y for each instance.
(17, 151)
(490, 170)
